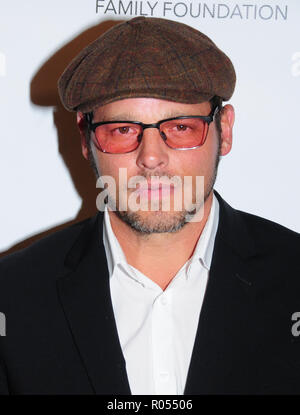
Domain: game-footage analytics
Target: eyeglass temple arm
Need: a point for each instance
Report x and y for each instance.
(88, 116)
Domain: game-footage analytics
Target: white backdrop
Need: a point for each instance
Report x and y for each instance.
(40, 163)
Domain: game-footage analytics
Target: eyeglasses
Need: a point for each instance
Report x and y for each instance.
(179, 133)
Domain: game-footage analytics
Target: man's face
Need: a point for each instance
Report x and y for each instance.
(154, 158)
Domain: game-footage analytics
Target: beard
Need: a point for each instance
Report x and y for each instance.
(157, 222)
(166, 221)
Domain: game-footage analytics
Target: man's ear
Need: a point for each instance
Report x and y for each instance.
(81, 123)
(227, 121)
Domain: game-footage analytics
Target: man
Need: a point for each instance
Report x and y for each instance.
(193, 300)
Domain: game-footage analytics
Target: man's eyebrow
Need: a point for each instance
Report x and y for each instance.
(131, 117)
(121, 117)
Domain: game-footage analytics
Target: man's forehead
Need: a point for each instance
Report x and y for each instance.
(138, 108)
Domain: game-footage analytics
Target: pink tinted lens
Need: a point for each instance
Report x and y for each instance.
(185, 133)
(117, 137)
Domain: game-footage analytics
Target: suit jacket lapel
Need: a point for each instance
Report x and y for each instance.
(85, 297)
(222, 335)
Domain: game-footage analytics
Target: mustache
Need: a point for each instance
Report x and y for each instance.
(152, 180)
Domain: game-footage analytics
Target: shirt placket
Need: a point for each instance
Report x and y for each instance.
(162, 345)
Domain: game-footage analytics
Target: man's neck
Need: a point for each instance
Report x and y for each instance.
(159, 256)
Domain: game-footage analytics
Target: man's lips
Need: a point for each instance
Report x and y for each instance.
(155, 190)
(157, 186)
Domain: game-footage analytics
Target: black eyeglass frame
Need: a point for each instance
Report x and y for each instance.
(206, 118)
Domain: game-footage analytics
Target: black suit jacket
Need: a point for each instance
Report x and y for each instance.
(61, 336)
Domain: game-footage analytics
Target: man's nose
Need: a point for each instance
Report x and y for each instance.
(152, 152)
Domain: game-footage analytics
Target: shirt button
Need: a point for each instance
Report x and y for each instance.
(163, 301)
(164, 376)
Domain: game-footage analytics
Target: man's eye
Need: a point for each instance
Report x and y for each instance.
(181, 127)
(124, 130)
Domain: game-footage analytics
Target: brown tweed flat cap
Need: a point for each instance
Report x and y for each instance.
(147, 57)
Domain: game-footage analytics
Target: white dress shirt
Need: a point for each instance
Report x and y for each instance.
(157, 328)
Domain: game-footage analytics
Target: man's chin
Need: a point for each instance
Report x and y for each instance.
(155, 221)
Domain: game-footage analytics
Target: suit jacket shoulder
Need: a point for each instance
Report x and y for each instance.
(268, 233)
(265, 236)
(43, 258)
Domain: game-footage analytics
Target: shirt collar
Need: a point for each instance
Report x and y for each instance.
(203, 250)
(205, 245)
(114, 252)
